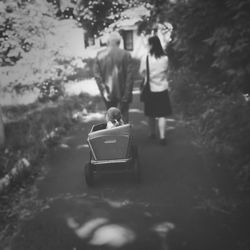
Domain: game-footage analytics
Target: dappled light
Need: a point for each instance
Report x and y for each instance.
(136, 91)
(13, 98)
(139, 111)
(112, 235)
(162, 229)
(82, 146)
(117, 204)
(84, 116)
(170, 128)
(85, 230)
(144, 122)
(68, 138)
(90, 117)
(99, 232)
(170, 120)
(85, 86)
(65, 146)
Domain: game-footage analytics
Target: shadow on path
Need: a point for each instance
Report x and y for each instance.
(169, 209)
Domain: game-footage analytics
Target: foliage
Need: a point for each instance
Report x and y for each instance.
(210, 69)
(226, 121)
(30, 135)
(94, 15)
(212, 37)
(220, 120)
(50, 90)
(22, 27)
(33, 48)
(85, 72)
(226, 127)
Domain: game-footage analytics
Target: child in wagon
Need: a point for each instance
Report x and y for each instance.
(114, 118)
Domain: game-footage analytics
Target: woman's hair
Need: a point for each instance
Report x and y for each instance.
(156, 48)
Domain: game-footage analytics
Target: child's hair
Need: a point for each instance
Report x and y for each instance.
(114, 115)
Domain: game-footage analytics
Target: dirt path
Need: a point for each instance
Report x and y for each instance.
(169, 209)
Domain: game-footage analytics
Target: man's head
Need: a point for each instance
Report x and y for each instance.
(114, 39)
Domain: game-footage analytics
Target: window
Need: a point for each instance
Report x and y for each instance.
(128, 39)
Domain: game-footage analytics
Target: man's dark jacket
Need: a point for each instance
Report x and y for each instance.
(113, 72)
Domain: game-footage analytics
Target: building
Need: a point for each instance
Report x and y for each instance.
(134, 41)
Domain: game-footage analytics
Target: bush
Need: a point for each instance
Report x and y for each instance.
(35, 131)
(221, 121)
(226, 129)
(227, 126)
(209, 39)
(189, 96)
(84, 72)
(50, 90)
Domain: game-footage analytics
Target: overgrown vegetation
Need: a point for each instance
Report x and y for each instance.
(219, 119)
(29, 136)
(212, 38)
(210, 71)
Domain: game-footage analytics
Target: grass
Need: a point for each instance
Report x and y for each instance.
(29, 133)
(220, 121)
(37, 127)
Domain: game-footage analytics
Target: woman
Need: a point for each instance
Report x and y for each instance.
(157, 105)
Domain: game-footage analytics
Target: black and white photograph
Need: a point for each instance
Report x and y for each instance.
(124, 125)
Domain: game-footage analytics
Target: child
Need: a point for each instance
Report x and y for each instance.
(114, 118)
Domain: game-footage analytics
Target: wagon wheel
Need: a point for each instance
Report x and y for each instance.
(89, 175)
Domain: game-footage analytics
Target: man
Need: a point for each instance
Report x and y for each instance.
(113, 74)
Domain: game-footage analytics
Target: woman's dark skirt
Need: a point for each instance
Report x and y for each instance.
(158, 104)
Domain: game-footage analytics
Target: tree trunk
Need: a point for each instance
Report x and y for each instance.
(2, 135)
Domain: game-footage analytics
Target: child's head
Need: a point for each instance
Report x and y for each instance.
(113, 115)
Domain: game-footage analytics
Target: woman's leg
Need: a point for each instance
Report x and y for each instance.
(162, 127)
(152, 128)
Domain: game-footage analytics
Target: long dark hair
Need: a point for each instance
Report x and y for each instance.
(156, 48)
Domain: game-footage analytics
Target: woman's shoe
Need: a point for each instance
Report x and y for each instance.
(163, 142)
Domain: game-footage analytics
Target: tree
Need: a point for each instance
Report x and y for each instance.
(22, 27)
(94, 15)
(32, 54)
(212, 37)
